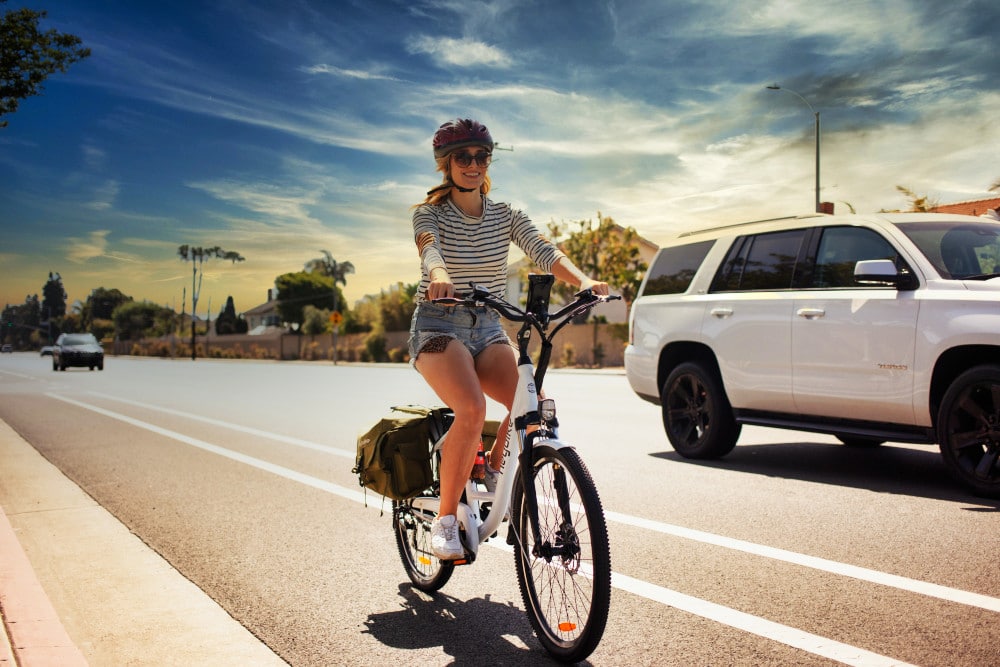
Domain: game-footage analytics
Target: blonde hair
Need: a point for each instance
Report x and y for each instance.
(437, 196)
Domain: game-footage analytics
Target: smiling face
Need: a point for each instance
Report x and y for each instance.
(477, 160)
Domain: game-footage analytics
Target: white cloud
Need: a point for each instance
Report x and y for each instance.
(348, 73)
(105, 195)
(80, 250)
(460, 52)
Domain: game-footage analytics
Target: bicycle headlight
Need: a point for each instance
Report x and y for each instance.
(547, 410)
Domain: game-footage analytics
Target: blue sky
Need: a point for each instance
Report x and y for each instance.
(277, 129)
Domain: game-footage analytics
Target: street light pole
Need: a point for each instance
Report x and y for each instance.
(816, 116)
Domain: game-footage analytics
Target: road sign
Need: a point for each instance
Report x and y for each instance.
(336, 318)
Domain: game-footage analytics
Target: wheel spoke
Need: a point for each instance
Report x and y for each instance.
(968, 404)
(965, 439)
(987, 464)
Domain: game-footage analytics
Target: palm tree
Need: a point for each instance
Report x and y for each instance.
(331, 268)
(197, 256)
(918, 203)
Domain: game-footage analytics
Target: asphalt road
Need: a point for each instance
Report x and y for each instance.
(793, 550)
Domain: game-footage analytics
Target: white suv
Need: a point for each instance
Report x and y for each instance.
(870, 327)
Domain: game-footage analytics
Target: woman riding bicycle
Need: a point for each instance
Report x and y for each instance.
(464, 354)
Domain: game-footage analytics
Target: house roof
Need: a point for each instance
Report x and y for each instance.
(975, 207)
(263, 309)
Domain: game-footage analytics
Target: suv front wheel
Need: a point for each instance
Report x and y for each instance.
(696, 413)
(968, 429)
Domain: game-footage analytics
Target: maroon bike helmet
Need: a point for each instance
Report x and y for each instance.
(459, 133)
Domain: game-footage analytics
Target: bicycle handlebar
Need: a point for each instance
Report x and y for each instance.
(480, 296)
(584, 301)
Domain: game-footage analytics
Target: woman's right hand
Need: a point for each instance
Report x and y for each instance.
(440, 286)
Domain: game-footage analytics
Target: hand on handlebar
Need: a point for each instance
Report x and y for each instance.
(440, 289)
(597, 287)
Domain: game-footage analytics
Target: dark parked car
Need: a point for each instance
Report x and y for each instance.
(77, 349)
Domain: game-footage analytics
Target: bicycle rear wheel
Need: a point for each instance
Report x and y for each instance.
(565, 572)
(413, 538)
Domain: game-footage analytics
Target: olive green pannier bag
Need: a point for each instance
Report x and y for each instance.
(394, 456)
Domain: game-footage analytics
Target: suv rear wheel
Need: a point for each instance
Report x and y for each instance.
(968, 429)
(696, 413)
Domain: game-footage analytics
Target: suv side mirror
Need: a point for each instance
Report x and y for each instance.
(880, 272)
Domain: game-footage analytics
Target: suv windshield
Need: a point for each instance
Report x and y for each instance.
(958, 250)
(80, 339)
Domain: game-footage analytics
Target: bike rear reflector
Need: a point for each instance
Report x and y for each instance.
(567, 626)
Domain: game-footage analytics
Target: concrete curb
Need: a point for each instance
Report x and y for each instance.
(77, 587)
(33, 633)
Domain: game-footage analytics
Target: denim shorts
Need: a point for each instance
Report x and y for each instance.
(476, 328)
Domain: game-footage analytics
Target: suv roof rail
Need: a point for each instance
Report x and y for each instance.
(751, 222)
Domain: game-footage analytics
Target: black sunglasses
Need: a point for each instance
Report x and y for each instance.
(482, 158)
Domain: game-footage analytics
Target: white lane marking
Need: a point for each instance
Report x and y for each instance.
(800, 639)
(863, 574)
(235, 427)
(805, 641)
(18, 375)
(281, 471)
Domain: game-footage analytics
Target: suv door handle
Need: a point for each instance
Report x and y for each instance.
(722, 313)
(810, 313)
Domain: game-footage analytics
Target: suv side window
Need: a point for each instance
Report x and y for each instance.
(760, 262)
(840, 248)
(674, 268)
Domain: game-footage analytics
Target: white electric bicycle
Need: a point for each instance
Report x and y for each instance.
(556, 521)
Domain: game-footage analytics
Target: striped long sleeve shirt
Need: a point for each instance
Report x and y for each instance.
(476, 250)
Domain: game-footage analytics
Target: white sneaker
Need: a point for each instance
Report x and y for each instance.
(445, 542)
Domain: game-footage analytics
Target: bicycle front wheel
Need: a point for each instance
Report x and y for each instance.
(413, 538)
(565, 571)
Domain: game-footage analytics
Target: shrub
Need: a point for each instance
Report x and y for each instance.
(375, 347)
(568, 355)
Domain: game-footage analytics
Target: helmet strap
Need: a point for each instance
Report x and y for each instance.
(449, 184)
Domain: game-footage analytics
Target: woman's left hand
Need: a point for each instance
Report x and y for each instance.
(596, 286)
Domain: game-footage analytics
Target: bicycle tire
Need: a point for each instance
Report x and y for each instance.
(567, 596)
(426, 571)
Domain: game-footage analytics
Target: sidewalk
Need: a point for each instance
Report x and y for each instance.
(77, 588)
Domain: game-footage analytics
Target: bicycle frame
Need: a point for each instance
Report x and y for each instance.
(524, 415)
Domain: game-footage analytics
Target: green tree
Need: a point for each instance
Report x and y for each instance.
(228, 322)
(99, 307)
(28, 56)
(301, 289)
(135, 320)
(315, 321)
(606, 250)
(396, 307)
(337, 272)
(53, 297)
(331, 268)
(20, 321)
(198, 256)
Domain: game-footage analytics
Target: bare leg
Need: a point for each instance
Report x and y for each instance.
(497, 370)
(452, 374)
